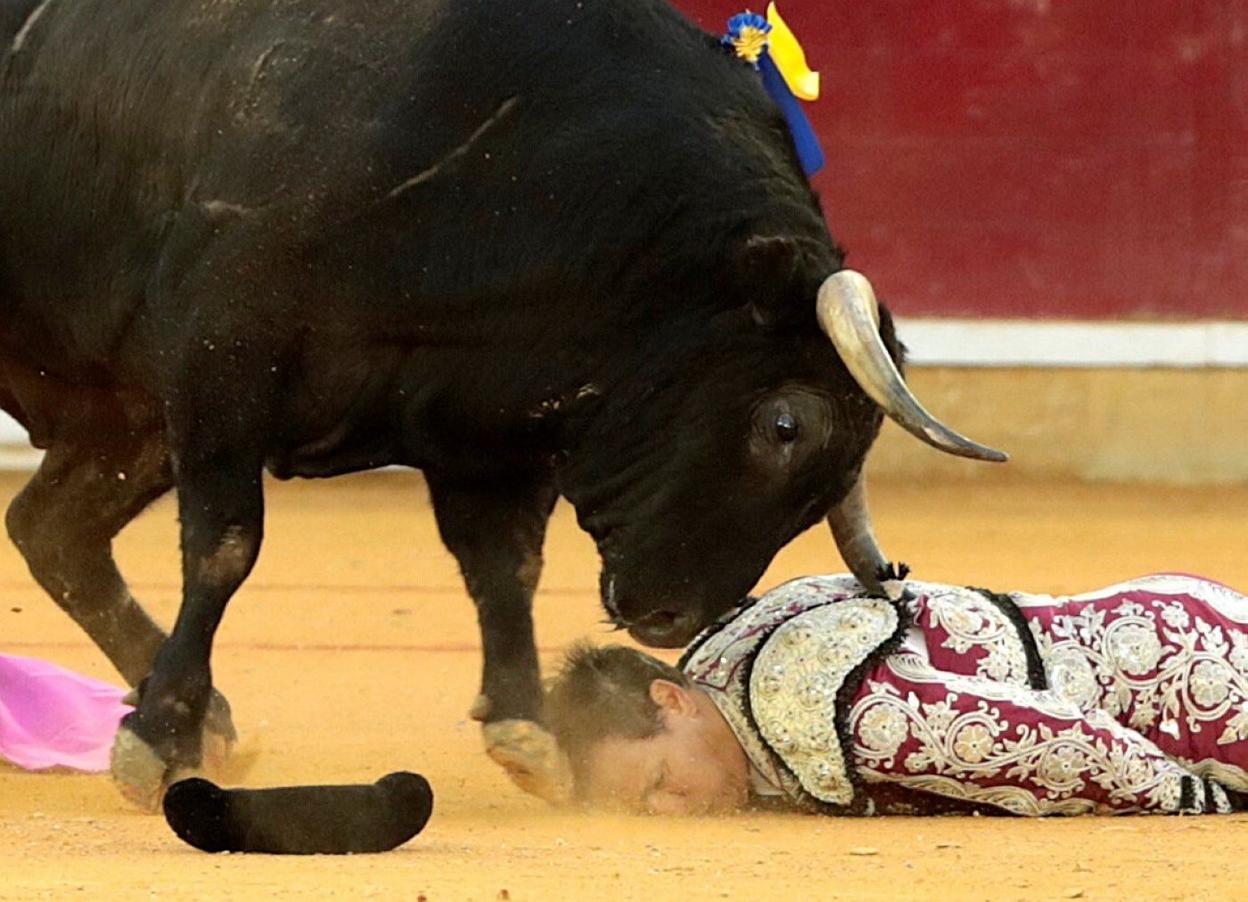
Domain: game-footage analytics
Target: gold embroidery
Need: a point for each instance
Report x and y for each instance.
(955, 751)
(797, 675)
(1157, 661)
(971, 621)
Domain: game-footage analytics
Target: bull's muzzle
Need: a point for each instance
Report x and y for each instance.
(665, 629)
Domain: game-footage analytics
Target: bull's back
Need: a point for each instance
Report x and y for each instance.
(128, 124)
(130, 107)
(128, 127)
(13, 15)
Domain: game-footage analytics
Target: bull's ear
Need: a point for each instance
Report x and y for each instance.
(888, 332)
(764, 274)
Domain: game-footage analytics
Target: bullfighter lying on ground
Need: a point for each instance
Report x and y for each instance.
(1131, 699)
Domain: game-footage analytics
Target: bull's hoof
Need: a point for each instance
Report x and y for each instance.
(140, 774)
(480, 709)
(532, 759)
(219, 736)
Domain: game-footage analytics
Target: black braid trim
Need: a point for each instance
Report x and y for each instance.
(1238, 800)
(1187, 797)
(860, 805)
(1211, 802)
(714, 630)
(893, 572)
(1037, 678)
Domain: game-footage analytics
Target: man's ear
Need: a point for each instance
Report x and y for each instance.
(672, 698)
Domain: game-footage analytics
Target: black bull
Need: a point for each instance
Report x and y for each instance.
(533, 249)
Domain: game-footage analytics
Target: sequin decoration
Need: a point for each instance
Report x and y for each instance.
(797, 675)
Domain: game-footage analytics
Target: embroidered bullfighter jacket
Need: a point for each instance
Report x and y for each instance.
(1130, 699)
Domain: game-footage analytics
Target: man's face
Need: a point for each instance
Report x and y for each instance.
(694, 765)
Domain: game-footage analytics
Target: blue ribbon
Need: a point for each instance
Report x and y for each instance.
(751, 29)
(808, 150)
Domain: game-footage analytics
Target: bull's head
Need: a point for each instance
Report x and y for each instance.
(740, 431)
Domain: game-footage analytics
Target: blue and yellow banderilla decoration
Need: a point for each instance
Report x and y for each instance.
(770, 47)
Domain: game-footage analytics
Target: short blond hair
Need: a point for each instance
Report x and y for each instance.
(603, 692)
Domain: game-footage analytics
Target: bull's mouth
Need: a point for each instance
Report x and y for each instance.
(665, 629)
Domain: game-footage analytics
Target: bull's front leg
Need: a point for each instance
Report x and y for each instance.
(216, 441)
(222, 510)
(496, 531)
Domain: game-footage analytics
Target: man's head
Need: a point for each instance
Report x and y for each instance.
(641, 737)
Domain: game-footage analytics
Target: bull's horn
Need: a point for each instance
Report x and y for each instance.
(849, 314)
(851, 527)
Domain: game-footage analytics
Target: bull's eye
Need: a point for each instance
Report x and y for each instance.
(786, 428)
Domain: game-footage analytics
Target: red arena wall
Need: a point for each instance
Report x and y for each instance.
(1034, 158)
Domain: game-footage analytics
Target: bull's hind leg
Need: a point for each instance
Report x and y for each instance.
(64, 521)
(496, 532)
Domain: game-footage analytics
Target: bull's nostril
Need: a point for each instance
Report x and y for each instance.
(660, 620)
(663, 629)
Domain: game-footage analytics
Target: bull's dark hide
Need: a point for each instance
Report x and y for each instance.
(534, 249)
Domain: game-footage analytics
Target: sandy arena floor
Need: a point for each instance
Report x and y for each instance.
(352, 651)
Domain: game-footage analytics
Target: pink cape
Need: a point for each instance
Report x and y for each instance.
(53, 717)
